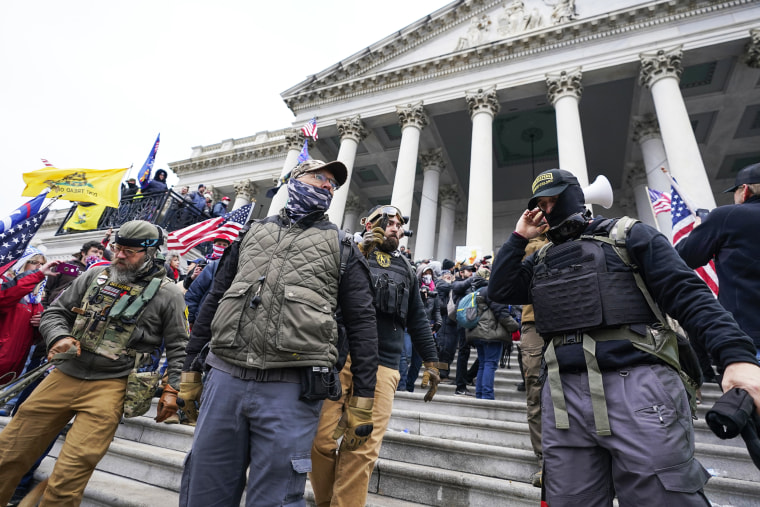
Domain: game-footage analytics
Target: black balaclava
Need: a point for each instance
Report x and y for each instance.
(569, 216)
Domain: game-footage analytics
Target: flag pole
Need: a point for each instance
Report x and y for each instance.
(686, 200)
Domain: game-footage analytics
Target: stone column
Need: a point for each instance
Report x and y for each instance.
(294, 140)
(244, 192)
(483, 106)
(413, 119)
(352, 132)
(449, 198)
(646, 132)
(564, 91)
(432, 165)
(752, 50)
(636, 198)
(353, 210)
(661, 72)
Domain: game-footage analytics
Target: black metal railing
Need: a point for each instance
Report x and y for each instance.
(167, 209)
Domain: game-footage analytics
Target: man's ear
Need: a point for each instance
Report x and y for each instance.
(746, 194)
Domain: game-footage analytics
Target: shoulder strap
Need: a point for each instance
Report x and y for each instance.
(541, 254)
(617, 238)
(346, 242)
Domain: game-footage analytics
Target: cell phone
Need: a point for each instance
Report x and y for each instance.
(68, 269)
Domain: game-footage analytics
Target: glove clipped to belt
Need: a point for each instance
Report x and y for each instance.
(167, 404)
(356, 423)
(430, 377)
(371, 240)
(190, 388)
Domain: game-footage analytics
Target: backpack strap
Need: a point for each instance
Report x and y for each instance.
(346, 242)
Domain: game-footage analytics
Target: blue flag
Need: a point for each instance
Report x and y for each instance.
(143, 177)
(14, 240)
(23, 212)
(304, 155)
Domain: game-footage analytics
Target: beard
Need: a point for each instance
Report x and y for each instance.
(389, 244)
(125, 272)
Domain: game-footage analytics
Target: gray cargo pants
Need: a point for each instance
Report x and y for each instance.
(648, 459)
(246, 422)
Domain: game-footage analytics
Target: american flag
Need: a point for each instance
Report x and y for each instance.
(309, 128)
(23, 212)
(660, 201)
(227, 226)
(683, 224)
(14, 241)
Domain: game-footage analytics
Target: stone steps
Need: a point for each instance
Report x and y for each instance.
(454, 451)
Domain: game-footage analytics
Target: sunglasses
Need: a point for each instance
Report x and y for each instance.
(126, 251)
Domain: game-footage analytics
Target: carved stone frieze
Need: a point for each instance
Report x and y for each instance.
(412, 115)
(432, 160)
(752, 49)
(352, 128)
(645, 128)
(448, 196)
(483, 100)
(564, 84)
(546, 38)
(245, 189)
(663, 63)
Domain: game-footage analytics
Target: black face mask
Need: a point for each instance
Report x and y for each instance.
(571, 228)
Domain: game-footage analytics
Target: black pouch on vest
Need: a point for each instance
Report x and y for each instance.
(319, 383)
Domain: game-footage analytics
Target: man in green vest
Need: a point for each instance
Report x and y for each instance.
(107, 318)
(270, 322)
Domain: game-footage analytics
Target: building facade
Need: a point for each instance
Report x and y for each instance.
(451, 117)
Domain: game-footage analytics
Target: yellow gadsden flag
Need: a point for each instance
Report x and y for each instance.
(99, 186)
(86, 217)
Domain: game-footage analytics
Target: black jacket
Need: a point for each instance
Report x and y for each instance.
(731, 235)
(676, 289)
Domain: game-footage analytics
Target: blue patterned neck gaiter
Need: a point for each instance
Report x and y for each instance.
(304, 199)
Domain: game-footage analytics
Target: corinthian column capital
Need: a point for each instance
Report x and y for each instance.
(245, 189)
(752, 49)
(645, 128)
(663, 63)
(564, 84)
(351, 128)
(355, 204)
(412, 115)
(432, 160)
(294, 139)
(448, 196)
(483, 100)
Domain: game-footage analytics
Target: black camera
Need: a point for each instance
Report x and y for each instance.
(408, 234)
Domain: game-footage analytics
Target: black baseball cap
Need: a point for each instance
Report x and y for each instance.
(549, 183)
(747, 176)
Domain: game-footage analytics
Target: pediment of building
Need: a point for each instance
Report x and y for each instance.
(473, 34)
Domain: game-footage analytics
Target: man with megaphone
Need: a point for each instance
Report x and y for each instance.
(616, 418)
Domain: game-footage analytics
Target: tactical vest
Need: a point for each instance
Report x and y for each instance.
(109, 313)
(392, 279)
(278, 311)
(595, 303)
(574, 289)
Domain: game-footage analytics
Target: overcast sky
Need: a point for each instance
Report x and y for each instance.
(89, 84)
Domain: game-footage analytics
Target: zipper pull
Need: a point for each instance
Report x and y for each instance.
(659, 414)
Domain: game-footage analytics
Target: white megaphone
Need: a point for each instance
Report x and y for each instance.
(599, 192)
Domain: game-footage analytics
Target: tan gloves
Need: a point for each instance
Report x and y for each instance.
(431, 377)
(371, 240)
(190, 388)
(356, 423)
(167, 404)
